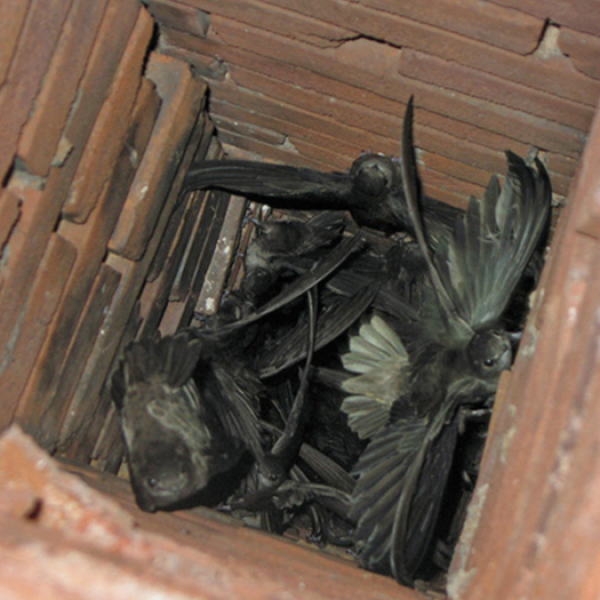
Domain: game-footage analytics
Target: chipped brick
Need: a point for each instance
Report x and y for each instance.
(526, 128)
(575, 14)
(502, 27)
(35, 46)
(181, 96)
(582, 49)
(304, 27)
(32, 324)
(549, 74)
(336, 99)
(110, 129)
(446, 74)
(179, 16)
(41, 134)
(11, 21)
(91, 240)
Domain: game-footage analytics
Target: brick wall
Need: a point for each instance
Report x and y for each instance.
(314, 82)
(97, 134)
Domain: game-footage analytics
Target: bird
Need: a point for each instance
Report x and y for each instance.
(188, 404)
(412, 387)
(283, 247)
(174, 440)
(371, 190)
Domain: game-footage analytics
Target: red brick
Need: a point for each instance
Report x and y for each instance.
(549, 74)
(333, 99)
(443, 181)
(582, 49)
(12, 15)
(501, 27)
(527, 128)
(587, 182)
(90, 541)
(454, 168)
(119, 19)
(35, 46)
(562, 164)
(179, 16)
(260, 133)
(9, 213)
(41, 134)
(207, 67)
(237, 114)
(91, 240)
(26, 246)
(76, 418)
(122, 316)
(373, 121)
(271, 18)
(447, 74)
(320, 159)
(181, 97)
(301, 118)
(426, 138)
(32, 324)
(577, 14)
(458, 200)
(110, 129)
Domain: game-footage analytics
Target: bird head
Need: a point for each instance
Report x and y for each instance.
(490, 353)
(374, 174)
(162, 473)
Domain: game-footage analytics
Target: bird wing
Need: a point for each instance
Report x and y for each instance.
(493, 242)
(280, 186)
(383, 470)
(420, 497)
(379, 358)
(475, 270)
(332, 321)
(322, 269)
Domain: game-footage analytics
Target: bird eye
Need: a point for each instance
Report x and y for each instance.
(152, 482)
(489, 362)
(273, 477)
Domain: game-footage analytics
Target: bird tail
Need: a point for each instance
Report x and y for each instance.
(171, 360)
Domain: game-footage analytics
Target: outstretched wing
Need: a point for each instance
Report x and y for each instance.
(492, 244)
(379, 358)
(383, 470)
(280, 186)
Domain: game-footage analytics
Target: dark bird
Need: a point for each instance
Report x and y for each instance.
(175, 442)
(371, 190)
(415, 384)
(189, 403)
(283, 249)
